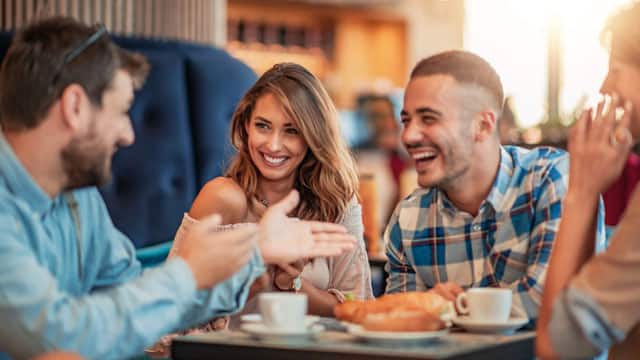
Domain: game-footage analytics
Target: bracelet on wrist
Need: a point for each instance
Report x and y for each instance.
(296, 284)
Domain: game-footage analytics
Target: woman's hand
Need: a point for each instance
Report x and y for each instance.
(285, 274)
(598, 147)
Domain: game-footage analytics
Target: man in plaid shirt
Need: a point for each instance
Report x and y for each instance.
(485, 215)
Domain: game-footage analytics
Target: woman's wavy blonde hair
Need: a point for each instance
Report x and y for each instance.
(326, 179)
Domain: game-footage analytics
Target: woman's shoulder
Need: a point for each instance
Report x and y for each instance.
(223, 196)
(354, 208)
(352, 217)
(224, 184)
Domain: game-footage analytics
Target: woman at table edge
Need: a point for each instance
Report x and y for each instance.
(287, 135)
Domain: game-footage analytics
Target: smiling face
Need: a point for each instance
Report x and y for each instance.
(275, 143)
(437, 130)
(87, 158)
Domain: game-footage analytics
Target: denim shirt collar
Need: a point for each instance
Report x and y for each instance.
(19, 182)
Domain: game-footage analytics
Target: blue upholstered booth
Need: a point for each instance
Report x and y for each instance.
(181, 120)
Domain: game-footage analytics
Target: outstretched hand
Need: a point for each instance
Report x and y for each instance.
(214, 256)
(286, 240)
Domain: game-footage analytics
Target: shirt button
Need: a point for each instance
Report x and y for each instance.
(475, 227)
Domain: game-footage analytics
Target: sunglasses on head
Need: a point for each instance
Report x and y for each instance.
(73, 54)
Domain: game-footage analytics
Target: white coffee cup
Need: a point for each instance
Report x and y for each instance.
(490, 305)
(283, 311)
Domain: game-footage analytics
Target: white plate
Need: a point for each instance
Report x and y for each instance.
(511, 325)
(261, 331)
(394, 336)
(257, 318)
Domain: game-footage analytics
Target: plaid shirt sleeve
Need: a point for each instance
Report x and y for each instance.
(546, 219)
(402, 276)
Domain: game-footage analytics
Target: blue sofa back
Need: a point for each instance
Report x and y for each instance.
(181, 120)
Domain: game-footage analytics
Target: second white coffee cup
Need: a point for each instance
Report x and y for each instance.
(283, 311)
(490, 305)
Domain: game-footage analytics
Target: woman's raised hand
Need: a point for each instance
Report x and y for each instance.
(599, 146)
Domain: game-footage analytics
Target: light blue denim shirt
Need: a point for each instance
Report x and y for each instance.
(88, 294)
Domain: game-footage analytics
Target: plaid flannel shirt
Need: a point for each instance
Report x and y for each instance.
(508, 243)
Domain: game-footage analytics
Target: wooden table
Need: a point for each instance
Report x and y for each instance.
(237, 345)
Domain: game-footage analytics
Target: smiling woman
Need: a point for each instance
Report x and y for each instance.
(286, 132)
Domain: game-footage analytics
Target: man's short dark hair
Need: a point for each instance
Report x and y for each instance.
(622, 33)
(38, 67)
(465, 68)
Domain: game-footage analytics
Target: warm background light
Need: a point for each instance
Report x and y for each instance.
(513, 36)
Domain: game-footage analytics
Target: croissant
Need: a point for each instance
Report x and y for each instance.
(403, 319)
(413, 311)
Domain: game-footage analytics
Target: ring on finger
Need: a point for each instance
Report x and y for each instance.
(613, 140)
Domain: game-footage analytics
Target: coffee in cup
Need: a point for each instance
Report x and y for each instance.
(491, 305)
(283, 311)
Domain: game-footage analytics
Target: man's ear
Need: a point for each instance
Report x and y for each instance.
(74, 106)
(485, 123)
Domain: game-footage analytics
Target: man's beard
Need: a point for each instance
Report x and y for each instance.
(454, 168)
(86, 163)
(456, 162)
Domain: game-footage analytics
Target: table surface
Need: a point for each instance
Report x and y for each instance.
(338, 345)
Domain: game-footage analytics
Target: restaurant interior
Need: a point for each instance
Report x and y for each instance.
(205, 54)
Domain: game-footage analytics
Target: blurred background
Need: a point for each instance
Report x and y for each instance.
(548, 53)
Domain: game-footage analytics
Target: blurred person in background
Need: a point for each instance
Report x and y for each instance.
(591, 302)
(381, 155)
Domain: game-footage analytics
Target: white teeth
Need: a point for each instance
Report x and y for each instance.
(423, 155)
(275, 160)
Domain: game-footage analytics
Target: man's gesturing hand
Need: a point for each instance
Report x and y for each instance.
(214, 256)
(285, 240)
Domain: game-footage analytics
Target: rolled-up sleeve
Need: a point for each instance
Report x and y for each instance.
(601, 306)
(579, 328)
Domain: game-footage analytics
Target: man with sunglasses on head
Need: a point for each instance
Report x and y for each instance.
(69, 279)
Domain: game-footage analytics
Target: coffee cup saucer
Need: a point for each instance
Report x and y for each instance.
(261, 331)
(482, 326)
